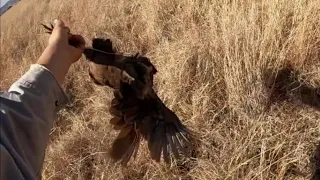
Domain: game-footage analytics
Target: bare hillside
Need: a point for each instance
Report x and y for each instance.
(244, 75)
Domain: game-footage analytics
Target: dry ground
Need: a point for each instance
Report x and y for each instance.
(242, 74)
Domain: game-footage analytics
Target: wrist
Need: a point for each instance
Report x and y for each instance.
(56, 61)
(58, 54)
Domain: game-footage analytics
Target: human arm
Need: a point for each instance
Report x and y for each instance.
(59, 55)
(29, 107)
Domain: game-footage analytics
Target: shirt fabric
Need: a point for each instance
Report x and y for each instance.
(27, 112)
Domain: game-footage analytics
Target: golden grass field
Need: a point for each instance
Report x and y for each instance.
(242, 74)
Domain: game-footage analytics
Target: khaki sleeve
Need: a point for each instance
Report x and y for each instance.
(28, 110)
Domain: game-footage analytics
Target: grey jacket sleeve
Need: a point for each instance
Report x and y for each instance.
(28, 110)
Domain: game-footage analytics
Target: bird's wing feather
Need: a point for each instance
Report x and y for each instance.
(164, 132)
(121, 146)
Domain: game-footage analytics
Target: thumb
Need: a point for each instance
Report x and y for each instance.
(58, 23)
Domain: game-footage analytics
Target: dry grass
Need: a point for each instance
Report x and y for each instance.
(218, 63)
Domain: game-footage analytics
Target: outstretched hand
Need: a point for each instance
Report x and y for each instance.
(59, 54)
(60, 39)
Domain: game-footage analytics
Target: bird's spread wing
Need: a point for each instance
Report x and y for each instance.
(165, 133)
(156, 123)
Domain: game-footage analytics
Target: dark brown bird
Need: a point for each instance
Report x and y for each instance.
(136, 109)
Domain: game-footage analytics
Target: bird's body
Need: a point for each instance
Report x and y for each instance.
(136, 109)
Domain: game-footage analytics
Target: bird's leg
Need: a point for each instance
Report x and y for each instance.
(50, 29)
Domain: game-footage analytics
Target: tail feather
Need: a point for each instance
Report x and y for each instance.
(165, 151)
(124, 132)
(132, 151)
(137, 146)
(172, 146)
(155, 142)
(124, 146)
(176, 140)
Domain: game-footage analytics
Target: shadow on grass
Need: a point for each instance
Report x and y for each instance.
(288, 87)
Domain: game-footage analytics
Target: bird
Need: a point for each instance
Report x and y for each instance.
(137, 111)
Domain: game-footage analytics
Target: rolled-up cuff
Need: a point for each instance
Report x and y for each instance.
(41, 79)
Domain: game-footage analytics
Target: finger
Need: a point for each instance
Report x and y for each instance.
(58, 23)
(60, 29)
(67, 29)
